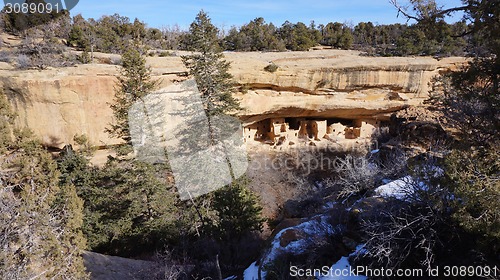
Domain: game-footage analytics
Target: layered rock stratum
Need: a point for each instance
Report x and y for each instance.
(59, 103)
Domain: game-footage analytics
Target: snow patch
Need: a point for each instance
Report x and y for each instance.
(398, 189)
(340, 270)
(252, 272)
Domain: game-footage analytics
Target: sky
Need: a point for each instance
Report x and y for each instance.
(226, 13)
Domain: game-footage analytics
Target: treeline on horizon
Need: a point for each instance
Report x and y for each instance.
(113, 33)
(258, 35)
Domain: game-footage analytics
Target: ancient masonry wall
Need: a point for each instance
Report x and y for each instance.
(278, 131)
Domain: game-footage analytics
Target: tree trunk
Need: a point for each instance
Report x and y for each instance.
(219, 272)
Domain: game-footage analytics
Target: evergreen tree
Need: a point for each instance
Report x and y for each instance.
(208, 67)
(238, 211)
(133, 84)
(298, 37)
(337, 35)
(130, 208)
(471, 102)
(40, 221)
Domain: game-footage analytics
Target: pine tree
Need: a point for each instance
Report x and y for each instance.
(238, 211)
(236, 208)
(133, 84)
(208, 67)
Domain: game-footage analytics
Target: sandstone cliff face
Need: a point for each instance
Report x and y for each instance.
(333, 84)
(60, 103)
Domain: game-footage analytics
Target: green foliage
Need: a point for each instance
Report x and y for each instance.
(131, 210)
(133, 84)
(41, 220)
(257, 35)
(298, 37)
(78, 38)
(238, 211)
(6, 119)
(474, 177)
(165, 54)
(202, 36)
(84, 57)
(438, 39)
(110, 34)
(209, 68)
(115, 33)
(337, 35)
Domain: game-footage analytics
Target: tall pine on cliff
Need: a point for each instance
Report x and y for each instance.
(208, 67)
(237, 209)
(133, 84)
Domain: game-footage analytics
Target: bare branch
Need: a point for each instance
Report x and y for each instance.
(433, 16)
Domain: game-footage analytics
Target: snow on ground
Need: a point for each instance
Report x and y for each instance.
(341, 270)
(317, 226)
(252, 272)
(313, 227)
(398, 189)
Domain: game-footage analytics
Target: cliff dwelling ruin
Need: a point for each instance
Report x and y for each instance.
(291, 130)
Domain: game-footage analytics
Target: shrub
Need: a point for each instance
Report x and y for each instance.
(356, 175)
(5, 56)
(271, 68)
(473, 176)
(23, 61)
(84, 57)
(244, 88)
(165, 54)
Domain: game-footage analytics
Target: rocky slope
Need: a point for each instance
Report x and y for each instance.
(61, 103)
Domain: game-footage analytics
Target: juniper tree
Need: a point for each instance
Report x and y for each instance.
(40, 221)
(470, 181)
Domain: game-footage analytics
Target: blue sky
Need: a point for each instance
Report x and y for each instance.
(226, 13)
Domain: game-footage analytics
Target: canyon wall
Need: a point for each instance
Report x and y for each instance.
(61, 103)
